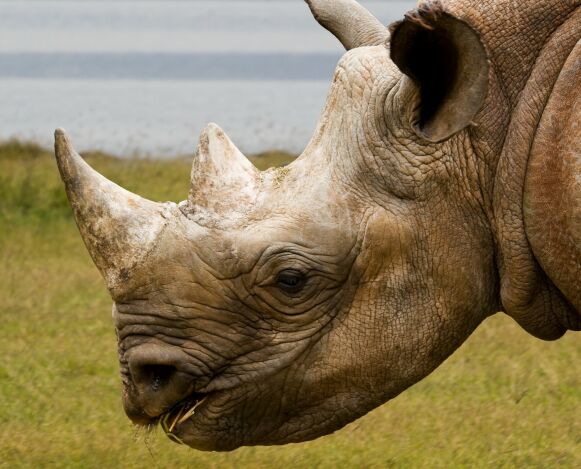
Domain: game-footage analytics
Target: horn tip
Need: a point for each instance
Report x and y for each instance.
(61, 136)
(213, 129)
(66, 156)
(213, 140)
(61, 140)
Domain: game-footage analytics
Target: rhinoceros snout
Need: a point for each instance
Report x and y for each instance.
(157, 381)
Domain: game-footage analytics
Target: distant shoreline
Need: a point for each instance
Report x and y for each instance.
(14, 148)
(169, 66)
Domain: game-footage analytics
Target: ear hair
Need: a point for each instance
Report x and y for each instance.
(425, 15)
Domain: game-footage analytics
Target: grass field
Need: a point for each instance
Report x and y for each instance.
(504, 399)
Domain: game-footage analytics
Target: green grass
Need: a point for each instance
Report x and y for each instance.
(504, 399)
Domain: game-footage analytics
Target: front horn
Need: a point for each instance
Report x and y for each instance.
(118, 227)
(349, 22)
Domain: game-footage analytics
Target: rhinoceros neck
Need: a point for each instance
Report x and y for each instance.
(514, 32)
(527, 42)
(552, 190)
(527, 292)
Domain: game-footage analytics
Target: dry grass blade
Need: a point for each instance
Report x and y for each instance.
(190, 412)
(175, 420)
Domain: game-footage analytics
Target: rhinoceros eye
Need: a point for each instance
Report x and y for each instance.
(290, 281)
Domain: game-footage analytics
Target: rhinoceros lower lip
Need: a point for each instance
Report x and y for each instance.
(180, 413)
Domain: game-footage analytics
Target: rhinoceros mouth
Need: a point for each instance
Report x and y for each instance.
(180, 413)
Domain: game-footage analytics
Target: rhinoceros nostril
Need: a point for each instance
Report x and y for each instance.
(157, 380)
(156, 376)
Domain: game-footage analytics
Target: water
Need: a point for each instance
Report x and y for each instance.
(163, 118)
(144, 77)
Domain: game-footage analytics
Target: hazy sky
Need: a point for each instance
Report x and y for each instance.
(145, 77)
(170, 26)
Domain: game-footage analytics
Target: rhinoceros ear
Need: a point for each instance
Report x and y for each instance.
(447, 66)
(349, 22)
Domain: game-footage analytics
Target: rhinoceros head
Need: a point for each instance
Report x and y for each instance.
(274, 307)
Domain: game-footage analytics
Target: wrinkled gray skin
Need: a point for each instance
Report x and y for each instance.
(296, 300)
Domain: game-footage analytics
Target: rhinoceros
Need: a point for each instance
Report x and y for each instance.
(442, 185)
